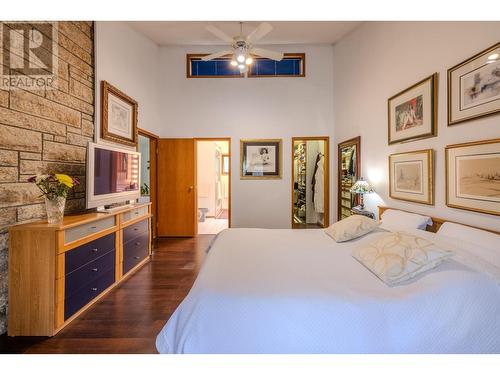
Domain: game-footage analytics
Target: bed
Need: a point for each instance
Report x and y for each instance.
(298, 291)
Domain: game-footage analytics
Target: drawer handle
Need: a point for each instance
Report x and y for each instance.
(137, 257)
(136, 213)
(93, 289)
(136, 228)
(95, 269)
(95, 250)
(93, 227)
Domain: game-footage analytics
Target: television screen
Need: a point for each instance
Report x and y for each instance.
(115, 172)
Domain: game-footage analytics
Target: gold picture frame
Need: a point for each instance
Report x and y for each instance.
(411, 176)
(473, 176)
(118, 116)
(470, 92)
(267, 156)
(412, 113)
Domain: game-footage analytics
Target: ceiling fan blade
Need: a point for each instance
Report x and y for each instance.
(268, 54)
(220, 34)
(261, 30)
(216, 55)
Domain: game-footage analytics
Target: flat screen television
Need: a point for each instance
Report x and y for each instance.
(113, 175)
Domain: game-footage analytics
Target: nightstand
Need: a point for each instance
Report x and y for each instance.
(359, 211)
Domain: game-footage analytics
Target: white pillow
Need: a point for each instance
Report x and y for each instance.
(351, 227)
(399, 256)
(399, 220)
(473, 235)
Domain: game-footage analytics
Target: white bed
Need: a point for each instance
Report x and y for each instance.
(298, 291)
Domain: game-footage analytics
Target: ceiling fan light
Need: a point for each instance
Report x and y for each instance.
(234, 63)
(240, 58)
(242, 66)
(249, 60)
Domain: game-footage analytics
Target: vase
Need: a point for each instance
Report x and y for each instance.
(55, 209)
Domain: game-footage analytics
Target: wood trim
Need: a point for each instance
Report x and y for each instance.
(353, 141)
(147, 133)
(326, 216)
(191, 56)
(437, 222)
(106, 89)
(434, 108)
(229, 176)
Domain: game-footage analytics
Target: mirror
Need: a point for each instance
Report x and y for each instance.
(349, 159)
(310, 182)
(225, 164)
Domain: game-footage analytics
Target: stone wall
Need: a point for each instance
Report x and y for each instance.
(45, 131)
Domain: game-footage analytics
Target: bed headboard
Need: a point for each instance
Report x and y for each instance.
(436, 222)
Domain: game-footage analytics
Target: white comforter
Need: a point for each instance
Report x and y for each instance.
(297, 291)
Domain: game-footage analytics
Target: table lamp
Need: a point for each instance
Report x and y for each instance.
(362, 187)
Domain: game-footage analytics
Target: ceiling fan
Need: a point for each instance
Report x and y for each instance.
(242, 48)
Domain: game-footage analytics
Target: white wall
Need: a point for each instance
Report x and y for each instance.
(129, 61)
(380, 59)
(249, 108)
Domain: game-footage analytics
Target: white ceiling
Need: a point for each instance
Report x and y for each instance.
(284, 32)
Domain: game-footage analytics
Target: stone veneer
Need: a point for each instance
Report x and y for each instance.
(45, 131)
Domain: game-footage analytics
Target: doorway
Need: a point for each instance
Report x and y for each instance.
(147, 146)
(310, 182)
(213, 181)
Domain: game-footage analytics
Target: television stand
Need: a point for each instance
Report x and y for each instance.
(111, 208)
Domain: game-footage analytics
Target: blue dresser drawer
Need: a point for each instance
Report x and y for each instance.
(88, 252)
(135, 230)
(88, 273)
(88, 293)
(135, 251)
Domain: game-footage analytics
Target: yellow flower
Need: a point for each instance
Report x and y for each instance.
(65, 180)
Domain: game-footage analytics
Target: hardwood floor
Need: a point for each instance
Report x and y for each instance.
(128, 319)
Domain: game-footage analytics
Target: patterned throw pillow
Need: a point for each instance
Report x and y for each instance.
(352, 227)
(398, 256)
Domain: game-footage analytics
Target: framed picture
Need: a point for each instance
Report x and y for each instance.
(225, 164)
(118, 116)
(260, 158)
(474, 87)
(411, 176)
(473, 176)
(412, 113)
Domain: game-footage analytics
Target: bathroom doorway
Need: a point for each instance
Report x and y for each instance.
(213, 184)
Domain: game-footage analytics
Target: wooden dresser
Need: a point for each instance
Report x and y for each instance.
(56, 271)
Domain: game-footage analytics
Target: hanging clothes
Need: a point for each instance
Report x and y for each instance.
(317, 184)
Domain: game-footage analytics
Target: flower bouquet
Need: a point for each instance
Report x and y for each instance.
(55, 188)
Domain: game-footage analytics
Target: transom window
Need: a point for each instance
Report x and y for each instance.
(292, 65)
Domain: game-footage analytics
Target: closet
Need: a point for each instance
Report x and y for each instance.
(349, 159)
(310, 192)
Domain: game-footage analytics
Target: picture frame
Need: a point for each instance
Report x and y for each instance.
(411, 176)
(474, 87)
(261, 159)
(473, 176)
(118, 116)
(412, 113)
(225, 164)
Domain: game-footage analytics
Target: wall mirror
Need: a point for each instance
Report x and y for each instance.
(310, 182)
(225, 164)
(349, 159)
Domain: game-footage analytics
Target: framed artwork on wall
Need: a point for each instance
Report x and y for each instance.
(474, 87)
(118, 116)
(411, 176)
(473, 176)
(260, 158)
(412, 113)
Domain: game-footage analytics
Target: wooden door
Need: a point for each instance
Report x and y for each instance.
(176, 175)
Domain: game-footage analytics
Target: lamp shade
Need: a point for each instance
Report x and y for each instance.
(362, 187)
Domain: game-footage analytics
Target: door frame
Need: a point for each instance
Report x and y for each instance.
(326, 216)
(153, 177)
(229, 175)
